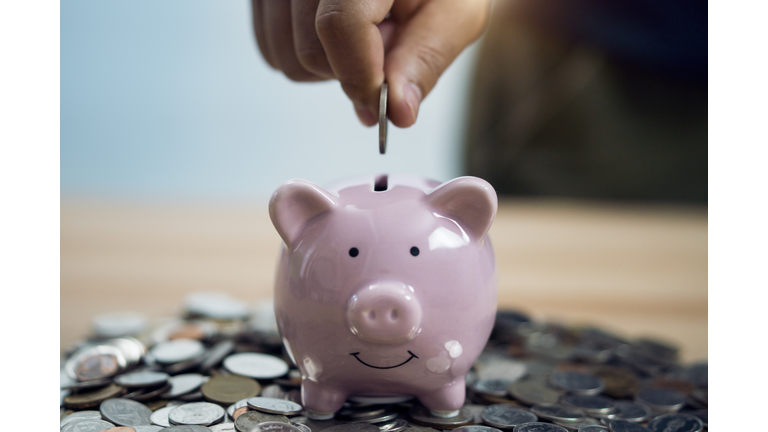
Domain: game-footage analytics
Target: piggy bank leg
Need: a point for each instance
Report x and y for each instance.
(321, 401)
(446, 401)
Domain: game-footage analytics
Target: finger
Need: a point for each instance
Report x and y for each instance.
(257, 11)
(403, 10)
(352, 42)
(279, 33)
(388, 30)
(425, 46)
(307, 45)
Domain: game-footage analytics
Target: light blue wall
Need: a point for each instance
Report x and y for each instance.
(171, 99)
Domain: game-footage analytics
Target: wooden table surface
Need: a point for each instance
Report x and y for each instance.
(634, 269)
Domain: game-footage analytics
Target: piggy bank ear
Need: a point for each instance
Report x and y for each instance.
(293, 205)
(470, 201)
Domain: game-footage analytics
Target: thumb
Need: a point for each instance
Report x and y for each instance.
(426, 45)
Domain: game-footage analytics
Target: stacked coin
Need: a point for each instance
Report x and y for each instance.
(219, 368)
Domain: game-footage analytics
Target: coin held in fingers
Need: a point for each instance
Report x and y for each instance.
(383, 118)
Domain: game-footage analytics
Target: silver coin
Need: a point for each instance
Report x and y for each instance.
(412, 428)
(554, 412)
(534, 368)
(477, 411)
(65, 381)
(302, 427)
(275, 427)
(273, 391)
(592, 405)
(631, 412)
(577, 382)
(87, 425)
(422, 416)
(90, 351)
(216, 305)
(378, 417)
(501, 368)
(183, 384)
(376, 400)
(626, 426)
(661, 400)
(132, 348)
(223, 427)
(150, 428)
(160, 417)
(249, 420)
(594, 428)
(656, 348)
(476, 428)
(192, 397)
(177, 350)
(575, 426)
(116, 324)
(353, 427)
(396, 426)
(142, 379)
(492, 387)
(92, 385)
(698, 374)
(539, 427)
(184, 366)
(125, 412)
(216, 354)
(256, 365)
(91, 415)
(676, 423)
(701, 396)
(196, 413)
(506, 416)
(187, 428)
(317, 425)
(274, 406)
(383, 123)
(532, 392)
(702, 415)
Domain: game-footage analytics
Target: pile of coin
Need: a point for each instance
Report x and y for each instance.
(222, 367)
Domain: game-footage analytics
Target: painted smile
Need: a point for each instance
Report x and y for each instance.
(387, 367)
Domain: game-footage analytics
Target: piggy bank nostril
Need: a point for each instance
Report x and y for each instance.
(384, 313)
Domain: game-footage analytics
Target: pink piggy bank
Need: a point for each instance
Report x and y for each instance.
(386, 287)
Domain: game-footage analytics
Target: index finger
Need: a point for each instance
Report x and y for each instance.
(352, 42)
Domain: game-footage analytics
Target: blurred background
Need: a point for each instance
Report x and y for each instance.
(174, 101)
(589, 118)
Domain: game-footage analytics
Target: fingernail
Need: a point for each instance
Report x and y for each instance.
(412, 96)
(365, 116)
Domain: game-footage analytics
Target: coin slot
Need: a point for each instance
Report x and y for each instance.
(381, 183)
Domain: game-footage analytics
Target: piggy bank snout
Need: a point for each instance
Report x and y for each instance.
(384, 313)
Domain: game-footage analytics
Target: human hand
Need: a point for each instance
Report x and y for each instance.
(360, 42)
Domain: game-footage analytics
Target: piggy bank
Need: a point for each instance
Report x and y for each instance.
(385, 287)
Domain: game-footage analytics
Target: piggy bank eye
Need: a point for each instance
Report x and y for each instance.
(354, 252)
(415, 251)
